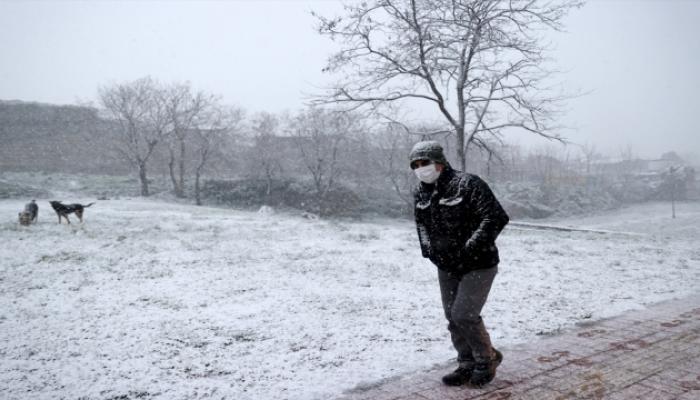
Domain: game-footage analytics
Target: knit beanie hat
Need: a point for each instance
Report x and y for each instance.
(427, 150)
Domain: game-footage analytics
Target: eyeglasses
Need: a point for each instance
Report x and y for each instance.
(420, 163)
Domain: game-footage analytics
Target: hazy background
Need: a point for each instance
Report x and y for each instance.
(636, 60)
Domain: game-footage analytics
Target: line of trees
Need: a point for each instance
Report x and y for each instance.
(328, 148)
(319, 159)
(481, 64)
(190, 124)
(192, 131)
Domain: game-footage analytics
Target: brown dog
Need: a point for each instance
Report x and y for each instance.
(62, 210)
(25, 218)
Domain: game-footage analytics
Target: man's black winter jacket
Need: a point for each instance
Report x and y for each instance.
(458, 219)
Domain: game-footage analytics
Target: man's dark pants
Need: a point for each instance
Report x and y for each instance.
(463, 297)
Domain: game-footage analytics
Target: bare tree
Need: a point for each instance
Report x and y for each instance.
(265, 127)
(394, 145)
(139, 109)
(212, 125)
(183, 108)
(320, 135)
(544, 165)
(628, 165)
(480, 63)
(590, 154)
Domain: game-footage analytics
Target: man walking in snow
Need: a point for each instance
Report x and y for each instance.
(458, 219)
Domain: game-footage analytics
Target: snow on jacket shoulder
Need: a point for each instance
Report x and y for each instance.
(458, 220)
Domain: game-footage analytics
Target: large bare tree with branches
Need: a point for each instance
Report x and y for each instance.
(185, 109)
(211, 128)
(480, 63)
(139, 109)
(320, 136)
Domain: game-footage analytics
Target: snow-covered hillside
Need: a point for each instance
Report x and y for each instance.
(149, 299)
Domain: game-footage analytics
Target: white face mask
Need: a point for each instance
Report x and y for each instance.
(428, 174)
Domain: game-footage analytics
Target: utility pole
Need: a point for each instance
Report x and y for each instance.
(672, 176)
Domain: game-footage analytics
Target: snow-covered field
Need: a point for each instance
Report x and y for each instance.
(150, 299)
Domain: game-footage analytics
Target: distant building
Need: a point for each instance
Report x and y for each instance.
(660, 165)
(637, 165)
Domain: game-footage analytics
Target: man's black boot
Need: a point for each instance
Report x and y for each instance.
(460, 376)
(485, 371)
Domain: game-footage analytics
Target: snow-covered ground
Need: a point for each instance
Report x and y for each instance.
(148, 299)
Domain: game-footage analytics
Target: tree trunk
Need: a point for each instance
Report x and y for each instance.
(268, 190)
(181, 171)
(171, 169)
(488, 165)
(197, 197)
(143, 179)
(461, 150)
(268, 180)
(320, 204)
(465, 154)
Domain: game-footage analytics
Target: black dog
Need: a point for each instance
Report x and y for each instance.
(33, 210)
(62, 210)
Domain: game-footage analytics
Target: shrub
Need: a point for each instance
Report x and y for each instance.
(15, 191)
(300, 195)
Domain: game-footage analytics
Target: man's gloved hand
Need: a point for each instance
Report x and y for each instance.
(448, 261)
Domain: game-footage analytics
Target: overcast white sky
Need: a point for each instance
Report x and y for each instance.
(639, 59)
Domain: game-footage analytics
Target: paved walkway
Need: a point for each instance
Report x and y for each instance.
(650, 354)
